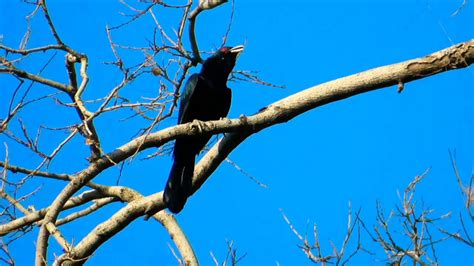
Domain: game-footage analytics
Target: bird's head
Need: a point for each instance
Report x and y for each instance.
(221, 63)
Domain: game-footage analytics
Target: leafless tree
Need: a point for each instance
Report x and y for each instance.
(85, 196)
(409, 234)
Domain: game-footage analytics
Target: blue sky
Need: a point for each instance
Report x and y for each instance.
(362, 149)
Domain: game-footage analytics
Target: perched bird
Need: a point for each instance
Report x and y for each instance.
(205, 97)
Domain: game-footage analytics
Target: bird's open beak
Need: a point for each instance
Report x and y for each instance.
(236, 49)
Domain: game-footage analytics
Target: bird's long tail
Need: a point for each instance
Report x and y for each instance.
(179, 185)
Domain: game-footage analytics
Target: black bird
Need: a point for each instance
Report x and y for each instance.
(205, 97)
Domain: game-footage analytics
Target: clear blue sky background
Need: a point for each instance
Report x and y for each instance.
(362, 149)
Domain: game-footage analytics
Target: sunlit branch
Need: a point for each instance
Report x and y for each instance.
(31, 218)
(203, 5)
(138, 206)
(458, 56)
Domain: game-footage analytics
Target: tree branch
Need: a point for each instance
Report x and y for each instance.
(32, 217)
(203, 5)
(457, 56)
(454, 57)
(138, 206)
(23, 74)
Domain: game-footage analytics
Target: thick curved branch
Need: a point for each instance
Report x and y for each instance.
(457, 56)
(137, 207)
(88, 129)
(104, 231)
(203, 5)
(192, 36)
(454, 57)
(179, 237)
(33, 217)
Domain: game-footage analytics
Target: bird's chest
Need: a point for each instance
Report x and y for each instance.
(209, 103)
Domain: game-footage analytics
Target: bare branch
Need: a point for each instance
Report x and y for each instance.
(32, 217)
(97, 205)
(466, 191)
(32, 50)
(203, 5)
(251, 76)
(50, 22)
(39, 79)
(457, 56)
(117, 222)
(464, 3)
(178, 236)
(137, 207)
(415, 243)
(238, 168)
(337, 256)
(9, 258)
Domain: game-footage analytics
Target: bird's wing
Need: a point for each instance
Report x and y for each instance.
(188, 91)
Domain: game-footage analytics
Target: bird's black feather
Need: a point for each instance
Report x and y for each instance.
(205, 97)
